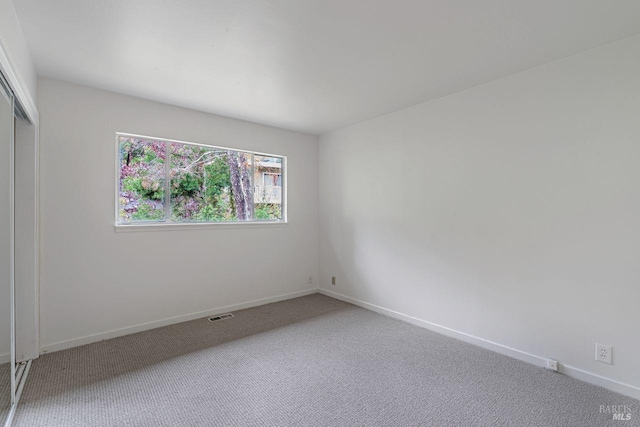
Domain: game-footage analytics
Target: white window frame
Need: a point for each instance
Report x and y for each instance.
(171, 225)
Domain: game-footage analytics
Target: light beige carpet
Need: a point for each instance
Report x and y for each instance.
(311, 361)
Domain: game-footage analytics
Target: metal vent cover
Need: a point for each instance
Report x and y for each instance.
(220, 317)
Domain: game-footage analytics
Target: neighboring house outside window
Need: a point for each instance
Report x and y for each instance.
(269, 189)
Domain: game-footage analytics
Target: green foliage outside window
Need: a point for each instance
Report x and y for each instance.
(206, 184)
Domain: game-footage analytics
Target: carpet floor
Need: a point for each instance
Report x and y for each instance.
(310, 361)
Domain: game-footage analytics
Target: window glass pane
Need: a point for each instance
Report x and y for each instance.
(142, 180)
(205, 183)
(209, 184)
(267, 194)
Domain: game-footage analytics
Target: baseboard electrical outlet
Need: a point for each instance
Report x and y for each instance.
(604, 353)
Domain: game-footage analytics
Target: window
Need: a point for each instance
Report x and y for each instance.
(272, 179)
(162, 181)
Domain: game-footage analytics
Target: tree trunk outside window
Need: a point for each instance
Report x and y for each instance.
(240, 185)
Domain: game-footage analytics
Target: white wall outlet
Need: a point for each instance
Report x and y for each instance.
(310, 281)
(604, 353)
(333, 280)
(552, 365)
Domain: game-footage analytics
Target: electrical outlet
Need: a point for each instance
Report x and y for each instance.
(310, 281)
(333, 280)
(552, 365)
(604, 354)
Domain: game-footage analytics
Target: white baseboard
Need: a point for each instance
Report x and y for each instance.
(77, 342)
(608, 383)
(571, 371)
(5, 358)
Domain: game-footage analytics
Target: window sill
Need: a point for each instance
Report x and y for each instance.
(124, 228)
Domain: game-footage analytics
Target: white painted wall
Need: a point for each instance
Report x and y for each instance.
(14, 43)
(94, 280)
(510, 211)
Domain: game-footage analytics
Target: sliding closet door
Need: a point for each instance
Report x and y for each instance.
(6, 250)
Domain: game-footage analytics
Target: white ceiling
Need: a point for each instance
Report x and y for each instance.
(309, 65)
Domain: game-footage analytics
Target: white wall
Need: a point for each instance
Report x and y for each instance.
(15, 45)
(510, 211)
(94, 280)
